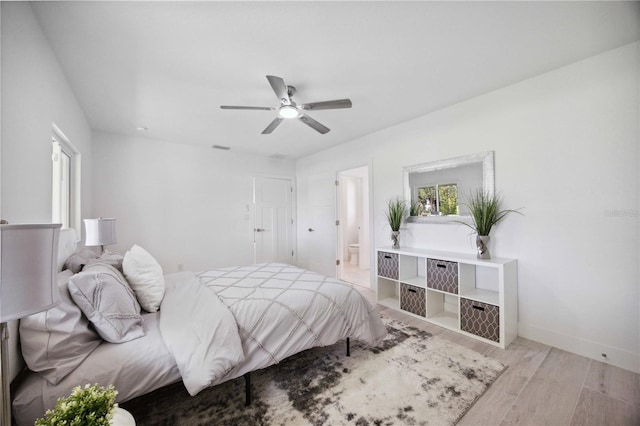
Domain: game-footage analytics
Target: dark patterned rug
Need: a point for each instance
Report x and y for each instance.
(412, 378)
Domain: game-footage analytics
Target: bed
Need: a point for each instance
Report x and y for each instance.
(210, 327)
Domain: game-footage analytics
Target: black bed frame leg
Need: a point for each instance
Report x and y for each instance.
(348, 348)
(247, 389)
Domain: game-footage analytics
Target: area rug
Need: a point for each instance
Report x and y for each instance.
(412, 378)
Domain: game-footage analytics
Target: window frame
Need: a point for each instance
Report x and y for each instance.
(74, 196)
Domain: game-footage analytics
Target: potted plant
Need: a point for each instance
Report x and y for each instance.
(485, 212)
(88, 406)
(396, 212)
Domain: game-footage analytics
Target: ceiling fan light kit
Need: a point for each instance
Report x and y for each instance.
(289, 109)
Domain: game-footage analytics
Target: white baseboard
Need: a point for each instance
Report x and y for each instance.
(594, 350)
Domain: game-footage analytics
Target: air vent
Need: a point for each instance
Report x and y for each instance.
(222, 147)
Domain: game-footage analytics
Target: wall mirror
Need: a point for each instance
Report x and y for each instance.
(439, 188)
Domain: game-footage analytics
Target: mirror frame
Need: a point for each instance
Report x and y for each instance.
(488, 181)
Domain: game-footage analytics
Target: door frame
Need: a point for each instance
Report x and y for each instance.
(339, 241)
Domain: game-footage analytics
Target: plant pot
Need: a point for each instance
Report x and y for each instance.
(122, 417)
(482, 243)
(395, 238)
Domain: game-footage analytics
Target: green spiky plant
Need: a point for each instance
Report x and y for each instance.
(485, 211)
(396, 212)
(416, 209)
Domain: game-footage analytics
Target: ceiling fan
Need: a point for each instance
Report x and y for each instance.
(289, 109)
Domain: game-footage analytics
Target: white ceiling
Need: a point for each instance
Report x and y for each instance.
(170, 65)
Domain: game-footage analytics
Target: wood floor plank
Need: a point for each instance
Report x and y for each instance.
(550, 397)
(518, 349)
(465, 341)
(597, 409)
(522, 361)
(614, 381)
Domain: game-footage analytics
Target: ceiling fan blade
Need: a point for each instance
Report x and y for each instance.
(247, 107)
(338, 103)
(314, 124)
(280, 88)
(271, 127)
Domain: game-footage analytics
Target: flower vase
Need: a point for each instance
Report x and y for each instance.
(121, 417)
(482, 243)
(395, 238)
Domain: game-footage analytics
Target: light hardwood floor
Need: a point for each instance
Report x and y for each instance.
(543, 385)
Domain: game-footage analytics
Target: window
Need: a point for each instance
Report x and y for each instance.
(61, 188)
(65, 182)
(439, 199)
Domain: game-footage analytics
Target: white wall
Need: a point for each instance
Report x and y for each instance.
(185, 204)
(35, 94)
(566, 149)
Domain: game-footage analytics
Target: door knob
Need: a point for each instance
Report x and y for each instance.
(259, 229)
(311, 229)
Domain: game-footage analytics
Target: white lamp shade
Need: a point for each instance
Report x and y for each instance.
(100, 232)
(28, 269)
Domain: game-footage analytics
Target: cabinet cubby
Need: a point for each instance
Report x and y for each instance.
(388, 293)
(412, 271)
(474, 297)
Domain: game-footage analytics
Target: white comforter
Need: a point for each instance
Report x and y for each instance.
(199, 331)
(246, 318)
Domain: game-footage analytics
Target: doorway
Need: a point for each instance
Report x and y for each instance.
(353, 232)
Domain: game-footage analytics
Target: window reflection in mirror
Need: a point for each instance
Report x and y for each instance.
(438, 200)
(437, 190)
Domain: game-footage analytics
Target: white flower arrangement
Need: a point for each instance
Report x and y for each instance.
(88, 406)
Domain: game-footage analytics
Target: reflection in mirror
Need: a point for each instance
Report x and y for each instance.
(437, 190)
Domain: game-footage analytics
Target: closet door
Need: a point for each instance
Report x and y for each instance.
(272, 232)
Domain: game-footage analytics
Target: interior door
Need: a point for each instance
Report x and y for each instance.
(321, 229)
(272, 233)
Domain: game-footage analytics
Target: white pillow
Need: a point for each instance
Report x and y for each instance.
(145, 277)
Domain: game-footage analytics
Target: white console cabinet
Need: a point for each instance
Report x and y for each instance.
(457, 291)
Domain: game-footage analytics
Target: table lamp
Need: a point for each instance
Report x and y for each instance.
(100, 232)
(28, 284)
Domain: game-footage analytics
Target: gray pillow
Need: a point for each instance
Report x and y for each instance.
(78, 260)
(56, 341)
(112, 259)
(104, 295)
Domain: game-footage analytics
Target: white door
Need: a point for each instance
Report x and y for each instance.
(321, 229)
(272, 233)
